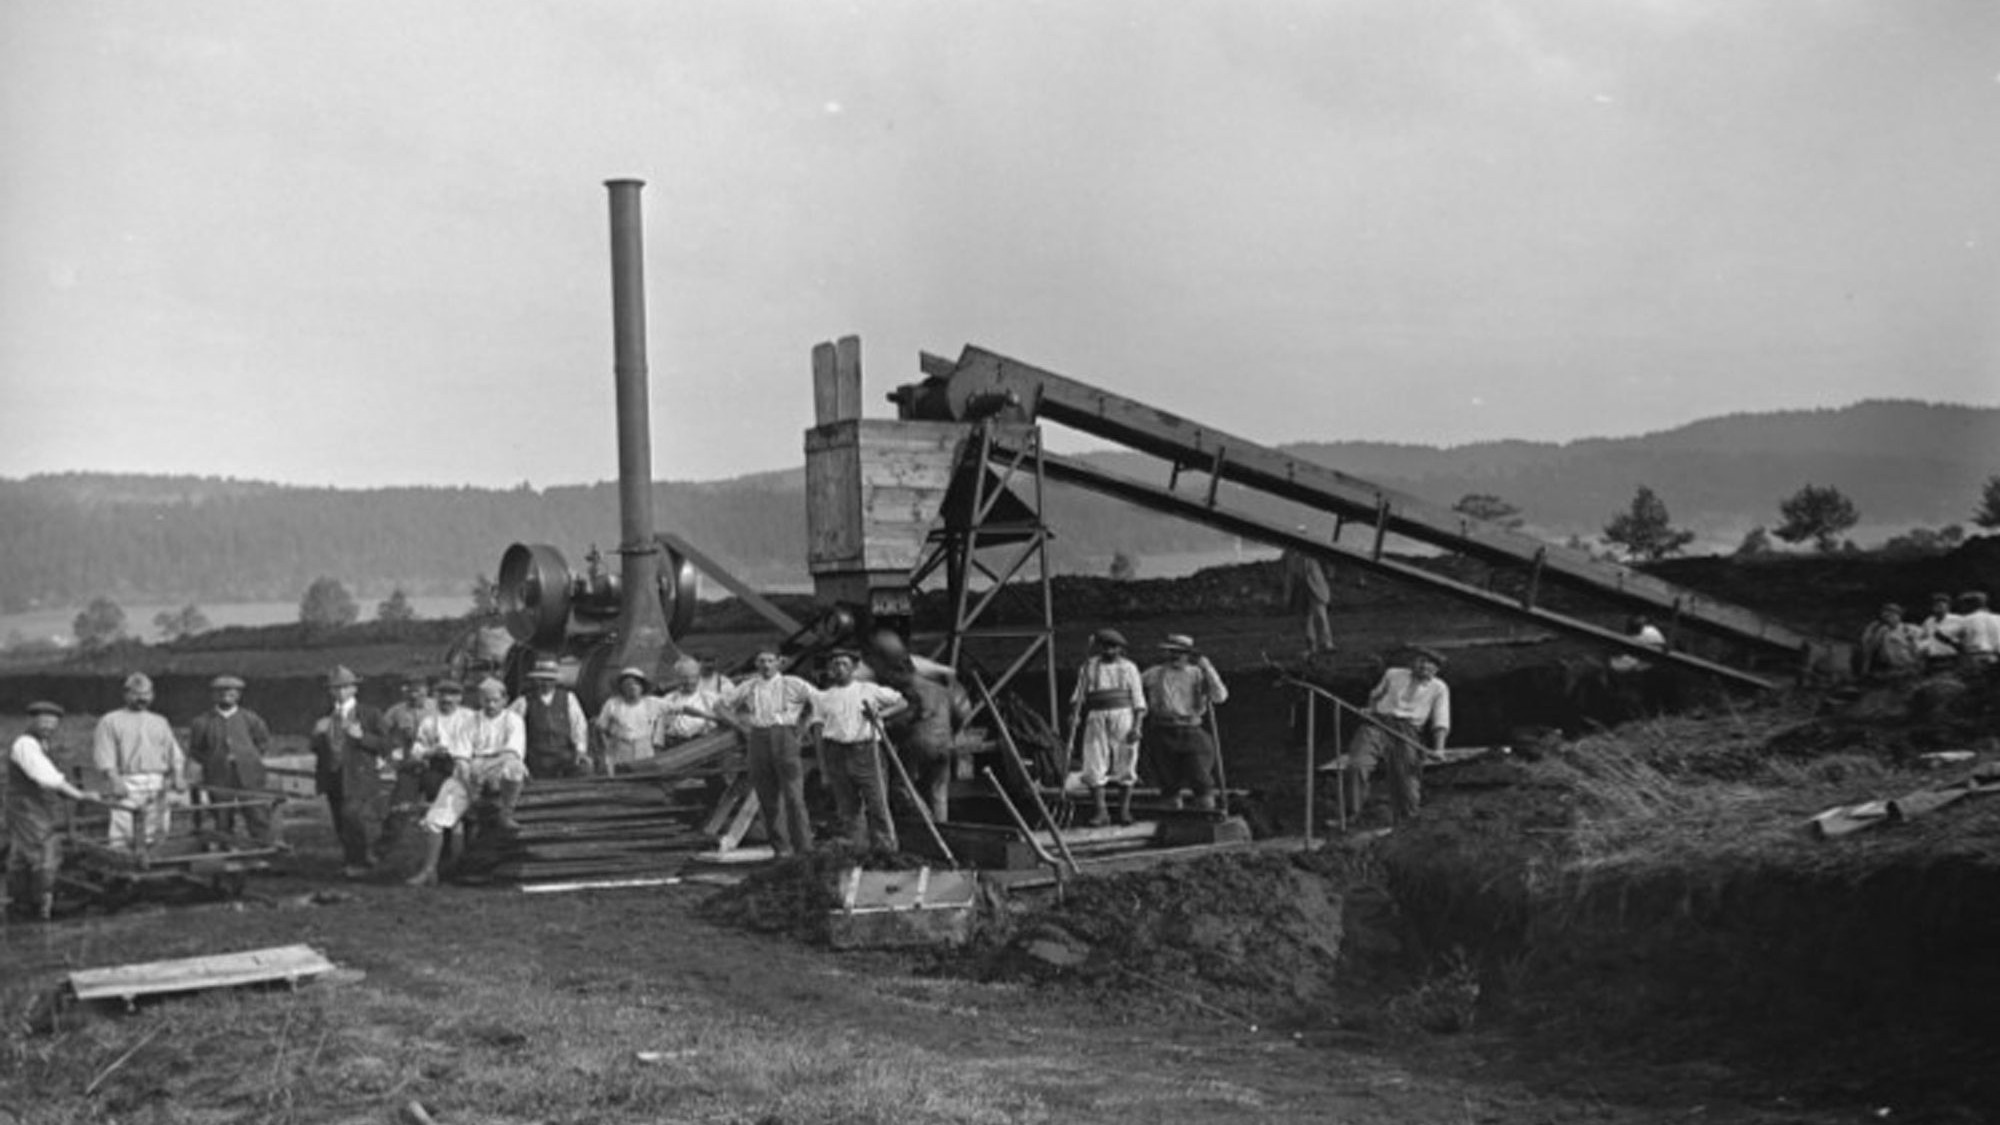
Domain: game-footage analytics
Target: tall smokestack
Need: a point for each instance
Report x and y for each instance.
(642, 627)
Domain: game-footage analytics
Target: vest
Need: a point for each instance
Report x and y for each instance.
(548, 727)
(26, 799)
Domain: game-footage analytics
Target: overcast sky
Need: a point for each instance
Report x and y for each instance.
(364, 243)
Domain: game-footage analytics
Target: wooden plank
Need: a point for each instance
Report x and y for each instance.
(226, 970)
(833, 505)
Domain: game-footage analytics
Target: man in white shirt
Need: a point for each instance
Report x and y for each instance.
(1939, 651)
(769, 707)
(1106, 710)
(849, 753)
(487, 747)
(35, 792)
(1976, 633)
(1409, 706)
(143, 765)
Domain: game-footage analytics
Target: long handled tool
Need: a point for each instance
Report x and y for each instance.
(909, 787)
(1221, 773)
(1013, 753)
(1021, 823)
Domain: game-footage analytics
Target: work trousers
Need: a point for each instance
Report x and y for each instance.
(1371, 748)
(357, 811)
(1108, 755)
(854, 773)
(471, 779)
(34, 854)
(154, 818)
(778, 775)
(1183, 757)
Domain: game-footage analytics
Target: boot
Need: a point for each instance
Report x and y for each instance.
(510, 792)
(427, 875)
(1124, 804)
(1099, 816)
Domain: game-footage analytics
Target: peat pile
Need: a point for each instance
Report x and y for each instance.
(1655, 892)
(795, 896)
(1256, 935)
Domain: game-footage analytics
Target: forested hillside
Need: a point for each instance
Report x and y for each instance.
(70, 537)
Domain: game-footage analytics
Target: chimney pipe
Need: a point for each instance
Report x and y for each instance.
(642, 628)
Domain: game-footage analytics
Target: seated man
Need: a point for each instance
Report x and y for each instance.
(1406, 706)
(1891, 648)
(489, 749)
(628, 725)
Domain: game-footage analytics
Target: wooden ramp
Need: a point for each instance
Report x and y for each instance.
(288, 963)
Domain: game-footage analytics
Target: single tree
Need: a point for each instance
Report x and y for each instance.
(396, 608)
(1988, 515)
(100, 623)
(1756, 542)
(1645, 529)
(174, 626)
(485, 596)
(1123, 567)
(327, 605)
(1818, 514)
(1492, 509)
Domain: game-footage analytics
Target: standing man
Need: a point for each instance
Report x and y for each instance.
(486, 749)
(142, 763)
(229, 741)
(769, 706)
(628, 725)
(35, 792)
(348, 745)
(1106, 710)
(1939, 651)
(558, 733)
(1309, 592)
(1976, 633)
(850, 754)
(926, 733)
(402, 774)
(1409, 705)
(688, 708)
(1179, 696)
(1890, 647)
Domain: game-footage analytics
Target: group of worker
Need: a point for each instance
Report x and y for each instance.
(1960, 634)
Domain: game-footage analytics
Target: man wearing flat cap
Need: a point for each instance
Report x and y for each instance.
(1180, 694)
(558, 731)
(846, 713)
(1409, 711)
(1106, 709)
(628, 725)
(228, 741)
(136, 753)
(348, 745)
(35, 792)
(484, 749)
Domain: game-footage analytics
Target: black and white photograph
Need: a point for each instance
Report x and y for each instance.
(914, 562)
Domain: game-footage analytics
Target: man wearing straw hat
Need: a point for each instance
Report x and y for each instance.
(348, 745)
(1409, 705)
(1180, 694)
(228, 741)
(558, 732)
(141, 761)
(35, 791)
(628, 725)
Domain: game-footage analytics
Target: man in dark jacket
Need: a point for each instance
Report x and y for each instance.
(229, 741)
(348, 744)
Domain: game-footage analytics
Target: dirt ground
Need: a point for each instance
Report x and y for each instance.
(489, 1005)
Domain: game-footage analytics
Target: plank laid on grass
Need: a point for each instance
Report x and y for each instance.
(226, 970)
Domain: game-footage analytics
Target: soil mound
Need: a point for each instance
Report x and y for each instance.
(1256, 936)
(794, 896)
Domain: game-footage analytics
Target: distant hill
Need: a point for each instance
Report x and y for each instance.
(70, 537)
